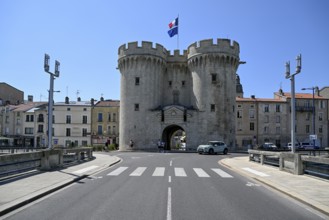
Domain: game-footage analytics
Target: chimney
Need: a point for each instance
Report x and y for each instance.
(30, 98)
(281, 92)
(253, 96)
(67, 100)
(79, 99)
(102, 99)
(92, 102)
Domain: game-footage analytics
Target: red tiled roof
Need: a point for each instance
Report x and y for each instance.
(238, 99)
(26, 107)
(301, 95)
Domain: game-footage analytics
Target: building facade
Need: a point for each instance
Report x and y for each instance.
(10, 95)
(72, 123)
(105, 122)
(162, 94)
(261, 120)
(19, 122)
(310, 119)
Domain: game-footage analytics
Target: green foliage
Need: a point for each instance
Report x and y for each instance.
(112, 147)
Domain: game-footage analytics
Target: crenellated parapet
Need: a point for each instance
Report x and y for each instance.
(225, 46)
(146, 48)
(177, 57)
(224, 51)
(132, 55)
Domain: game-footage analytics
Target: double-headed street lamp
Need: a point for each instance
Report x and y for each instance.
(50, 97)
(293, 104)
(313, 111)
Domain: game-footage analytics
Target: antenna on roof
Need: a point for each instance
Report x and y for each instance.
(78, 92)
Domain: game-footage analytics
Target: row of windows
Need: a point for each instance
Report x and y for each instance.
(84, 132)
(137, 82)
(266, 129)
(30, 118)
(212, 107)
(111, 117)
(69, 143)
(309, 103)
(183, 82)
(110, 130)
(266, 119)
(84, 109)
(69, 117)
(266, 107)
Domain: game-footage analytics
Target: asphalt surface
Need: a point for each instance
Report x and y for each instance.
(168, 186)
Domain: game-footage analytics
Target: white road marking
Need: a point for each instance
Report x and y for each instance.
(138, 172)
(169, 179)
(200, 172)
(169, 204)
(171, 163)
(85, 169)
(180, 172)
(118, 171)
(159, 171)
(252, 184)
(222, 173)
(255, 172)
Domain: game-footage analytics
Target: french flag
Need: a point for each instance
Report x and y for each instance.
(173, 28)
(173, 23)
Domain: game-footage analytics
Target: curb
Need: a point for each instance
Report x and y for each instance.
(273, 187)
(51, 190)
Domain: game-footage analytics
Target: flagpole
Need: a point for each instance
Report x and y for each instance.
(178, 32)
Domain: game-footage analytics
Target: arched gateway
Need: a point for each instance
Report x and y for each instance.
(172, 136)
(163, 93)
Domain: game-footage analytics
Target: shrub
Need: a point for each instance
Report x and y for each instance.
(112, 147)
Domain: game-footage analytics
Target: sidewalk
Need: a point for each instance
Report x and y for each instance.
(17, 193)
(309, 190)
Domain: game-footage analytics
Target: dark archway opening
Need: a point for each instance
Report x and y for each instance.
(174, 137)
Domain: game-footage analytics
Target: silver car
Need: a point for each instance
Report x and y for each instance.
(213, 147)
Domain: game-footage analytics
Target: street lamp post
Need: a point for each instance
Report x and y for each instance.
(51, 95)
(293, 105)
(313, 110)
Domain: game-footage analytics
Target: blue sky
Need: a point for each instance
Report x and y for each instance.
(84, 36)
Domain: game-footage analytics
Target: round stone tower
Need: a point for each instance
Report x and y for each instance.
(165, 95)
(213, 68)
(141, 69)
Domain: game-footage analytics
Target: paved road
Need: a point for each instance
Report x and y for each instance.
(166, 186)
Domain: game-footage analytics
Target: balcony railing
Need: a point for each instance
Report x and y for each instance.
(304, 108)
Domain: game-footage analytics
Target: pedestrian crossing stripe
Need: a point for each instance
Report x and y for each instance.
(222, 173)
(138, 172)
(159, 171)
(178, 171)
(117, 171)
(200, 172)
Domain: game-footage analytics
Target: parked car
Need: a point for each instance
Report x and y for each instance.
(307, 146)
(213, 147)
(297, 145)
(269, 146)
